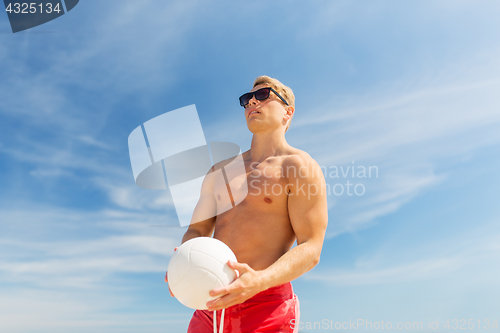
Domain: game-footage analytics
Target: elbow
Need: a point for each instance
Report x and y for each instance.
(316, 261)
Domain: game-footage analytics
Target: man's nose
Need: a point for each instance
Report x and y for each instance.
(252, 100)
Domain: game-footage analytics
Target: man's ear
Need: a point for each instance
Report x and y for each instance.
(289, 111)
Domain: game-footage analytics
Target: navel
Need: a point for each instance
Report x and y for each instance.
(268, 200)
(218, 197)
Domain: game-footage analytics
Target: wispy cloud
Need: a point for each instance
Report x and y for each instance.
(423, 119)
(124, 193)
(34, 310)
(460, 256)
(76, 258)
(407, 272)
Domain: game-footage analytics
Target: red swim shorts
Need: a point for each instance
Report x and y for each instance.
(271, 310)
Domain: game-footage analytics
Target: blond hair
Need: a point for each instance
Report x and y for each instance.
(284, 91)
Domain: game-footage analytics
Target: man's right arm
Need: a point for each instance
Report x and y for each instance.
(204, 215)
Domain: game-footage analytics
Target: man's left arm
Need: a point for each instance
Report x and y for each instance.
(308, 212)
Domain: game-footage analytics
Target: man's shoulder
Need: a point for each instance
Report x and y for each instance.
(298, 158)
(300, 164)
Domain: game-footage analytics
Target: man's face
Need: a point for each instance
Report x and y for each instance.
(266, 115)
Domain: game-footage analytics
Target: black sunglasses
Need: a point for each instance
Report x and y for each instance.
(260, 95)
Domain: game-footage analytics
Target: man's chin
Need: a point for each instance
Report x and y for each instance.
(256, 129)
(253, 128)
(261, 128)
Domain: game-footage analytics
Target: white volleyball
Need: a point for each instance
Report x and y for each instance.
(198, 266)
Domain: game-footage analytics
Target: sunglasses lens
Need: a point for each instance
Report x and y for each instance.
(262, 94)
(244, 99)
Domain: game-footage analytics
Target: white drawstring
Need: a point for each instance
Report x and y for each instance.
(221, 327)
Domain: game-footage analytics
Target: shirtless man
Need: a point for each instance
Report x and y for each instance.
(286, 202)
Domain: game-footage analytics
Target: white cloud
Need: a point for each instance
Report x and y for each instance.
(466, 258)
(50, 172)
(91, 141)
(378, 127)
(407, 272)
(60, 248)
(33, 310)
(125, 193)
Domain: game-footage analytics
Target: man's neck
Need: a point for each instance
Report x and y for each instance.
(267, 144)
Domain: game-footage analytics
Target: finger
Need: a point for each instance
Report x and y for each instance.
(170, 291)
(234, 287)
(220, 292)
(176, 248)
(238, 266)
(219, 303)
(224, 302)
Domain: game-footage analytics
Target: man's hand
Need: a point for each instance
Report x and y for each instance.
(166, 278)
(248, 284)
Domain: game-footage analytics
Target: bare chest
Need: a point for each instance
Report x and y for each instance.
(257, 228)
(261, 187)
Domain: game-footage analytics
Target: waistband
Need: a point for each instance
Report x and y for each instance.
(281, 292)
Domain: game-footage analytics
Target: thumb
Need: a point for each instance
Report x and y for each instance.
(240, 268)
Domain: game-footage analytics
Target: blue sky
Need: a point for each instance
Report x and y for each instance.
(408, 87)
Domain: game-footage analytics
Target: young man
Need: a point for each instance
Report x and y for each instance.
(285, 202)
